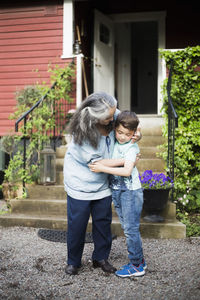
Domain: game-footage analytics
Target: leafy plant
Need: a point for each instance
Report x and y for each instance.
(4, 209)
(39, 125)
(7, 143)
(192, 223)
(150, 180)
(185, 93)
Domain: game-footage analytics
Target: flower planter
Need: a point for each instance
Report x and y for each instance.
(12, 191)
(155, 201)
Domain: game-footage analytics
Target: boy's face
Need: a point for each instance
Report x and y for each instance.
(123, 135)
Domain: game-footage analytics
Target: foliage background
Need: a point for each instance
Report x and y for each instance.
(185, 93)
(39, 126)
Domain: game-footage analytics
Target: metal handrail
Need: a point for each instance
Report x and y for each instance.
(23, 117)
(169, 82)
(172, 124)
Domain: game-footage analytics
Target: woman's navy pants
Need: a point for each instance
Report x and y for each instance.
(78, 213)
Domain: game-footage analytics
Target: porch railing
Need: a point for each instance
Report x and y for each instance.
(60, 122)
(172, 124)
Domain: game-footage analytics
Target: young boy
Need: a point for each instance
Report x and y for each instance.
(127, 193)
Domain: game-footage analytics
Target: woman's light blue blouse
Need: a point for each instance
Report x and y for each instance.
(81, 183)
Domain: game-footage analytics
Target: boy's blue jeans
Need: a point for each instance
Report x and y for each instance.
(128, 205)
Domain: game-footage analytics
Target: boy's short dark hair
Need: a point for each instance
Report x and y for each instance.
(127, 119)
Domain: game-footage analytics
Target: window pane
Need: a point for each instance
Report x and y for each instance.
(104, 34)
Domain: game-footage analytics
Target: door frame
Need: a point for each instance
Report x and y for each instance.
(159, 17)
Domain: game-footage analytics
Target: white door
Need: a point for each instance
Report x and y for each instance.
(103, 54)
(123, 67)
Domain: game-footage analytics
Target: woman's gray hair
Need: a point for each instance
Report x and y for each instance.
(94, 108)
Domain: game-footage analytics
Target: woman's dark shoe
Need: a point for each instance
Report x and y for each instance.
(104, 265)
(71, 270)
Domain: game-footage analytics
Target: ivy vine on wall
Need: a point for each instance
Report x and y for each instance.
(185, 93)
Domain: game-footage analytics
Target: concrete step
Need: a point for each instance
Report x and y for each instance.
(39, 207)
(59, 208)
(149, 152)
(46, 192)
(151, 124)
(59, 164)
(25, 220)
(151, 141)
(169, 212)
(167, 229)
(154, 164)
(59, 177)
(52, 214)
(42, 207)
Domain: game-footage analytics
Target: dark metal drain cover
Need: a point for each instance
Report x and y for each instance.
(61, 236)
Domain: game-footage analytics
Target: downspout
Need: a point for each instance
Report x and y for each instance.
(79, 58)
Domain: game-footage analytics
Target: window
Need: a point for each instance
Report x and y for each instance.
(104, 34)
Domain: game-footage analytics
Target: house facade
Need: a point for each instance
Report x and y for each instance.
(119, 42)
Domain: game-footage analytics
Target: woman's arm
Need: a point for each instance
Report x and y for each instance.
(126, 170)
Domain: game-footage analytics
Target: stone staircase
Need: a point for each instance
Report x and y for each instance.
(45, 206)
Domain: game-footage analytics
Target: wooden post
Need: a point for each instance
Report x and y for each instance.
(82, 64)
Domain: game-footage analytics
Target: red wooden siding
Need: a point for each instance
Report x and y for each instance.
(30, 38)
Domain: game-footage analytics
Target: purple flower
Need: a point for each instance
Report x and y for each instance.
(155, 181)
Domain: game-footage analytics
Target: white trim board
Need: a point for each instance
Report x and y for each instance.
(68, 30)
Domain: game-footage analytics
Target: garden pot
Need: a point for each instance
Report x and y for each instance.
(11, 191)
(154, 203)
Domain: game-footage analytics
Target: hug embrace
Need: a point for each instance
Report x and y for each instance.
(99, 168)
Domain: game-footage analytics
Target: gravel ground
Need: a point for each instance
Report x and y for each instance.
(33, 268)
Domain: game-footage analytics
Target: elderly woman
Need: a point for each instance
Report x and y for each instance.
(89, 192)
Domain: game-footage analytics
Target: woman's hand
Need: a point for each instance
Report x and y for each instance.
(96, 167)
(137, 136)
(138, 156)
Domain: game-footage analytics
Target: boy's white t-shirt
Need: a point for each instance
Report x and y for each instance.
(127, 151)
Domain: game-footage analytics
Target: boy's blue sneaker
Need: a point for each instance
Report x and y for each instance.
(144, 265)
(131, 271)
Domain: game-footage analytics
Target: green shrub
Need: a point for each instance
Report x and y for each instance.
(192, 223)
(185, 93)
(40, 123)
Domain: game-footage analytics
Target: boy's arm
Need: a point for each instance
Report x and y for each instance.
(126, 170)
(112, 162)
